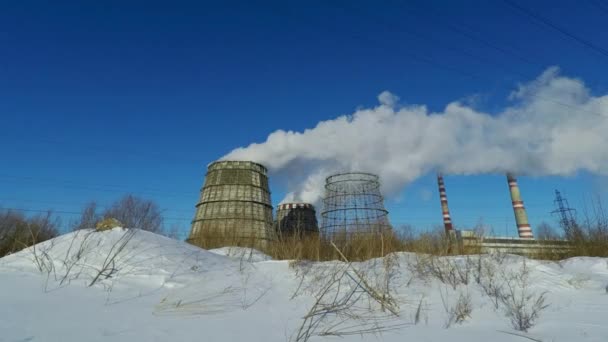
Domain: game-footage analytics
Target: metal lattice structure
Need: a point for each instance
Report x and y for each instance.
(296, 218)
(353, 204)
(234, 207)
(566, 215)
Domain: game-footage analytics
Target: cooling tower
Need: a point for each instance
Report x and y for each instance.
(296, 219)
(447, 220)
(234, 208)
(353, 204)
(521, 218)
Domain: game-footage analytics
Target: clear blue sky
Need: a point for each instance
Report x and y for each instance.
(98, 99)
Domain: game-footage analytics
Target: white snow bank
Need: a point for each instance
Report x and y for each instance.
(158, 289)
(242, 253)
(136, 261)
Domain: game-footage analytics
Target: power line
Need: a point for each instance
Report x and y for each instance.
(467, 32)
(474, 76)
(104, 187)
(563, 31)
(597, 4)
(61, 203)
(425, 38)
(65, 212)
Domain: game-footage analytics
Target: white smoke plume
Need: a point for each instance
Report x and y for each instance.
(555, 126)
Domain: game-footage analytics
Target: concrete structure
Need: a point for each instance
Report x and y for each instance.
(234, 207)
(521, 218)
(469, 243)
(296, 218)
(447, 220)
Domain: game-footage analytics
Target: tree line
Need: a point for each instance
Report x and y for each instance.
(18, 231)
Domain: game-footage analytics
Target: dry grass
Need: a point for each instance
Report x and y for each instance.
(354, 246)
(591, 241)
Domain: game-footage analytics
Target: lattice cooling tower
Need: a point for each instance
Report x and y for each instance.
(353, 204)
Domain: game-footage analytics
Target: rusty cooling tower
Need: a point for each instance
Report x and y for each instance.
(521, 218)
(296, 219)
(447, 220)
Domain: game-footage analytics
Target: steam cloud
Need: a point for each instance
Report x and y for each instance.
(554, 127)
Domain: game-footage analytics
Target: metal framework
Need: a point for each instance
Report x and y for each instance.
(566, 214)
(353, 204)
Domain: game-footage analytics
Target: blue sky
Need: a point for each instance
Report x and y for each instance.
(100, 99)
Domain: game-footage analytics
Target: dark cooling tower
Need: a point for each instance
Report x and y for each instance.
(234, 208)
(296, 219)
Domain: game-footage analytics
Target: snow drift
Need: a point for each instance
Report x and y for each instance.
(157, 289)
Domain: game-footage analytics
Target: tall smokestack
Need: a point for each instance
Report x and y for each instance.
(447, 220)
(521, 218)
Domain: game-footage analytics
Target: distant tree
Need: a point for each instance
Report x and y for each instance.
(88, 218)
(135, 212)
(18, 231)
(545, 231)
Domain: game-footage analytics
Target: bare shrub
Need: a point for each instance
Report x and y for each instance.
(89, 217)
(346, 303)
(522, 306)
(72, 262)
(18, 231)
(452, 272)
(135, 212)
(489, 278)
(459, 311)
(108, 268)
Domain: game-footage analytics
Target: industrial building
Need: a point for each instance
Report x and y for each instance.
(235, 209)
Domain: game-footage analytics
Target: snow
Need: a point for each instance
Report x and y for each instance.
(249, 254)
(158, 289)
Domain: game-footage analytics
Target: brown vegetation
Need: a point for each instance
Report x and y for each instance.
(18, 231)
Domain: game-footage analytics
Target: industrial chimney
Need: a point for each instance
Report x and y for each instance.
(447, 221)
(521, 218)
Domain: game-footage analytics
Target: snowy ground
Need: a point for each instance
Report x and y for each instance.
(131, 285)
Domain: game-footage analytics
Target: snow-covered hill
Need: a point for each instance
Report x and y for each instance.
(132, 285)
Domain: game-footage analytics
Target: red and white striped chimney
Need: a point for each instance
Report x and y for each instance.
(521, 218)
(447, 220)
